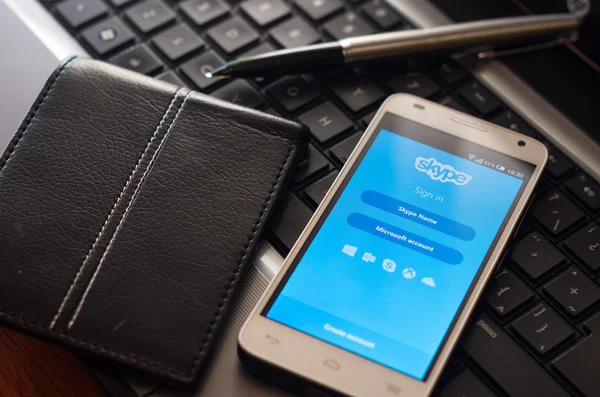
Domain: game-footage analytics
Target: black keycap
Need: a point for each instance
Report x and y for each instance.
(346, 25)
(451, 103)
(466, 384)
(416, 84)
(316, 191)
(510, 120)
(150, 15)
(358, 94)
(233, 34)
(294, 33)
(536, 256)
(171, 77)
(368, 118)
(319, 9)
(381, 14)
(202, 12)
(326, 122)
(240, 93)
(291, 220)
(177, 42)
(507, 363)
(556, 212)
(586, 189)
(196, 69)
(507, 293)
(107, 35)
(558, 164)
(259, 49)
(312, 165)
(542, 329)
(451, 73)
(342, 151)
(120, 3)
(585, 245)
(574, 291)
(479, 97)
(79, 12)
(578, 365)
(265, 12)
(292, 92)
(139, 59)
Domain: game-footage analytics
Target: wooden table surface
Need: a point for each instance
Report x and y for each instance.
(32, 368)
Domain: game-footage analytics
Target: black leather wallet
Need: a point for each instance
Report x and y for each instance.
(129, 209)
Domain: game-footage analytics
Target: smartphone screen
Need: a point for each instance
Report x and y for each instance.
(387, 268)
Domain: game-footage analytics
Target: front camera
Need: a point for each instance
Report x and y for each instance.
(521, 143)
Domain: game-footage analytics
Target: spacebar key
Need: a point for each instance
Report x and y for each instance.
(507, 363)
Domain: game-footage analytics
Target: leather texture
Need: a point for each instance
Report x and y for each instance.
(129, 209)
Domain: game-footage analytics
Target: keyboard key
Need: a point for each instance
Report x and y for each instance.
(150, 15)
(313, 164)
(202, 12)
(574, 291)
(177, 42)
(171, 77)
(259, 49)
(120, 3)
(585, 245)
(381, 14)
(326, 122)
(317, 191)
(507, 293)
(342, 151)
(319, 9)
(265, 12)
(586, 189)
(196, 69)
(292, 93)
(358, 94)
(507, 363)
(466, 384)
(79, 12)
(294, 33)
(291, 220)
(542, 329)
(348, 25)
(139, 59)
(558, 164)
(241, 93)
(479, 97)
(536, 256)
(107, 35)
(233, 35)
(578, 364)
(556, 212)
(513, 122)
(416, 84)
(451, 103)
(451, 73)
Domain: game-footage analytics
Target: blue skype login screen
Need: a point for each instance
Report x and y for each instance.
(385, 272)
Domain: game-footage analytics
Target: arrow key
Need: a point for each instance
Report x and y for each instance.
(507, 293)
(542, 329)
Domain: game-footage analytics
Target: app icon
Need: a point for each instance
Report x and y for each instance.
(428, 281)
(409, 273)
(369, 257)
(389, 265)
(349, 250)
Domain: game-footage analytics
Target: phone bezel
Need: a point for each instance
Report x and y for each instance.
(303, 355)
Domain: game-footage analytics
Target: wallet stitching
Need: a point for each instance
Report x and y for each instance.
(126, 212)
(110, 215)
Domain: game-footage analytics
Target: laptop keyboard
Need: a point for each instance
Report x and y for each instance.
(537, 332)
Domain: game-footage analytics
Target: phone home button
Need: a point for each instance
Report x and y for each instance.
(331, 364)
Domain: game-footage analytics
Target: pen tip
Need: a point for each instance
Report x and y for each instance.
(219, 72)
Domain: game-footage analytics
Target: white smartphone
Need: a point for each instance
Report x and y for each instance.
(374, 295)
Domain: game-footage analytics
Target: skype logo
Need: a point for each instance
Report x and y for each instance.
(440, 172)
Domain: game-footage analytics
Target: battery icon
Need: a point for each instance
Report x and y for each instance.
(500, 167)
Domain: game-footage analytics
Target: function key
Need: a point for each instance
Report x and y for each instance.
(233, 35)
(317, 190)
(265, 12)
(510, 120)
(79, 12)
(507, 293)
(294, 33)
(451, 103)
(342, 151)
(313, 163)
(543, 329)
(319, 9)
(416, 84)
(177, 42)
(479, 97)
(150, 15)
(586, 189)
(292, 92)
(348, 25)
(240, 93)
(326, 122)
(586, 246)
(139, 59)
(466, 384)
(358, 94)
(171, 77)
(574, 291)
(202, 12)
(556, 212)
(107, 35)
(382, 14)
(197, 68)
(558, 164)
(536, 256)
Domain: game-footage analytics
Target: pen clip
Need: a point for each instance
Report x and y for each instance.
(562, 40)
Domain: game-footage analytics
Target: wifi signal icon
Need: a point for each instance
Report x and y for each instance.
(472, 156)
